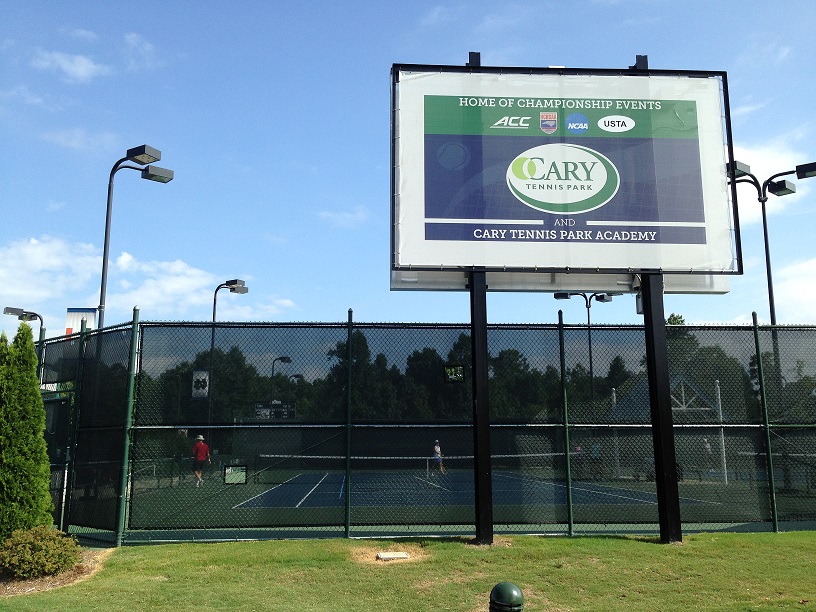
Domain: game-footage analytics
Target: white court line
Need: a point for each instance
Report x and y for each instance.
(598, 491)
(264, 493)
(433, 484)
(312, 491)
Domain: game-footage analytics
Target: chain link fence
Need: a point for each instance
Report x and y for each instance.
(366, 429)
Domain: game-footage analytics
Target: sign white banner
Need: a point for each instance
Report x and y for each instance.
(583, 172)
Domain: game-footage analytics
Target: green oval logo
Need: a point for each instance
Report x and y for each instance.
(563, 178)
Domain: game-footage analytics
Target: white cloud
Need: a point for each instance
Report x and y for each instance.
(141, 54)
(498, 23)
(84, 35)
(746, 109)
(795, 293)
(351, 218)
(26, 96)
(74, 68)
(36, 270)
(437, 16)
(81, 140)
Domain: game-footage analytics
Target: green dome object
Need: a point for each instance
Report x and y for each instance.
(506, 596)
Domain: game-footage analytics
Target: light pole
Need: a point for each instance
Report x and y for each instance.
(139, 155)
(282, 359)
(235, 285)
(741, 173)
(598, 297)
(27, 315)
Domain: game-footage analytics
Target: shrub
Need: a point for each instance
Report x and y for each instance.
(25, 476)
(40, 551)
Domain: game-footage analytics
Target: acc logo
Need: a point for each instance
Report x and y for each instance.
(518, 123)
(616, 123)
(577, 123)
(562, 178)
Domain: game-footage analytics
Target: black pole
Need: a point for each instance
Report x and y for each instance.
(482, 474)
(657, 365)
(481, 409)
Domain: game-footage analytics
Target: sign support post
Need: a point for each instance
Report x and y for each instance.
(482, 472)
(657, 366)
(483, 478)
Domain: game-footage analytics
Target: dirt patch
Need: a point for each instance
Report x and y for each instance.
(91, 562)
(368, 554)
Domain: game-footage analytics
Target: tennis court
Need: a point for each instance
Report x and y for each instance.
(424, 485)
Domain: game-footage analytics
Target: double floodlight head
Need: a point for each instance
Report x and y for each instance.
(236, 285)
(736, 170)
(21, 314)
(598, 297)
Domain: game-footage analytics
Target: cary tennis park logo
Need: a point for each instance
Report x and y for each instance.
(562, 178)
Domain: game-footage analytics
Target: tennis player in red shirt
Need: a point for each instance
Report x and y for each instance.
(201, 456)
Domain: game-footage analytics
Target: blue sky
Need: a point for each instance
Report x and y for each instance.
(275, 118)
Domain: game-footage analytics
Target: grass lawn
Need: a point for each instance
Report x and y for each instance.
(709, 571)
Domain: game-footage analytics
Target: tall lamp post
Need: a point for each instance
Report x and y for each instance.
(143, 156)
(598, 297)
(235, 285)
(741, 173)
(282, 359)
(27, 315)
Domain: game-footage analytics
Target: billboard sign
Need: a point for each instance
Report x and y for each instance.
(561, 171)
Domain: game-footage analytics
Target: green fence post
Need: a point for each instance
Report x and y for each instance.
(347, 490)
(767, 426)
(131, 393)
(567, 463)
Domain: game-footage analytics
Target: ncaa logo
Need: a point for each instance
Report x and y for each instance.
(577, 123)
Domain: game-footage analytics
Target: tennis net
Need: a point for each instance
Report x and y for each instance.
(276, 469)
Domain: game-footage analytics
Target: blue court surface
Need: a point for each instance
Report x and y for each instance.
(328, 489)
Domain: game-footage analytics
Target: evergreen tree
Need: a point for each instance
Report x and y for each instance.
(25, 499)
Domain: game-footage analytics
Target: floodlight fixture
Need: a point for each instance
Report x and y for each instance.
(598, 297)
(22, 314)
(159, 175)
(737, 169)
(741, 173)
(143, 155)
(236, 285)
(806, 170)
(781, 188)
(27, 315)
